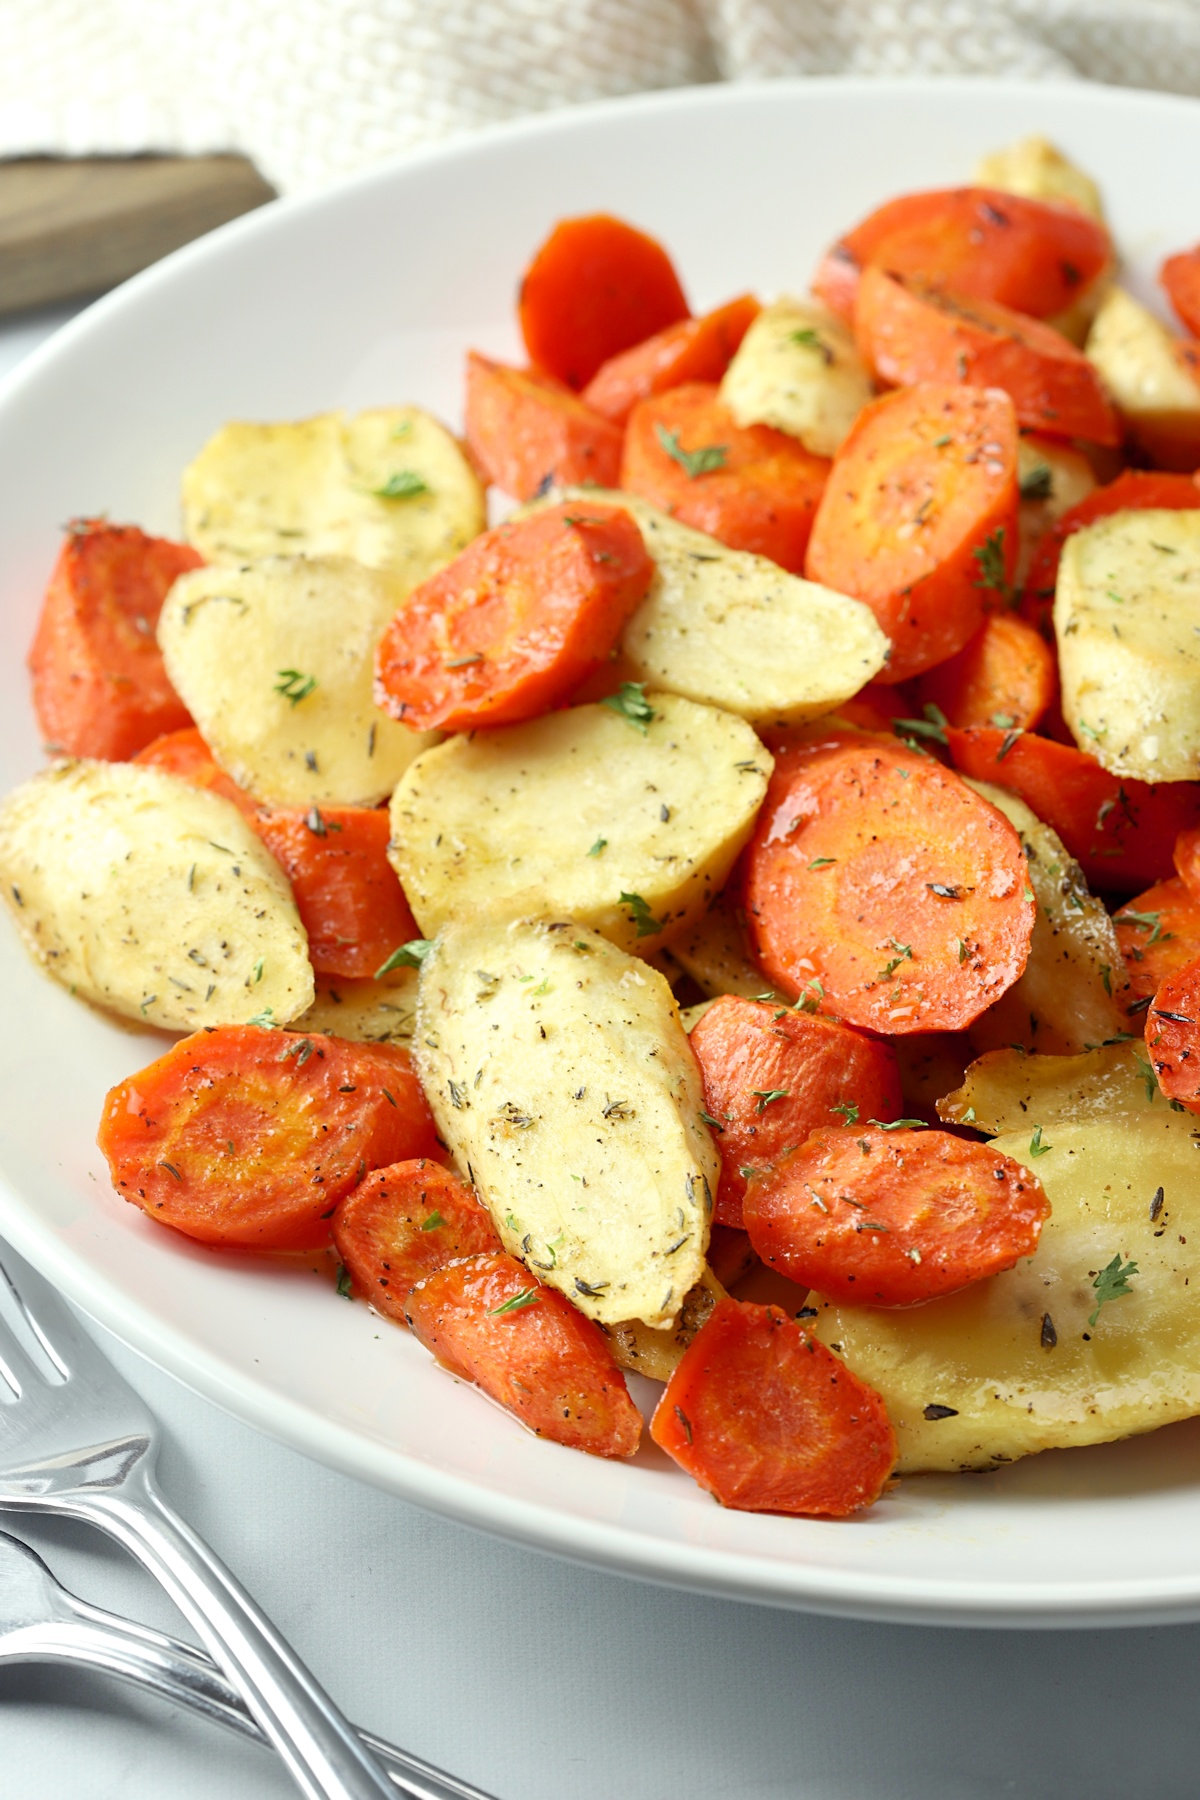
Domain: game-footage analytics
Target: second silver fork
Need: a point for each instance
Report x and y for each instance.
(84, 1447)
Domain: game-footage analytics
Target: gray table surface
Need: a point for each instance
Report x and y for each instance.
(540, 1680)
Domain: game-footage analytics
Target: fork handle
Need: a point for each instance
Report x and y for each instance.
(319, 1747)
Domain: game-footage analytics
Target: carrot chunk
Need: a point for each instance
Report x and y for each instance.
(1032, 255)
(1121, 832)
(693, 350)
(513, 625)
(100, 687)
(1173, 1036)
(891, 1218)
(881, 885)
(404, 1223)
(1004, 676)
(1133, 490)
(772, 1076)
(249, 1137)
(526, 430)
(348, 895)
(488, 1320)
(349, 899)
(919, 518)
(1159, 933)
(752, 487)
(597, 286)
(768, 1420)
(909, 332)
(1180, 276)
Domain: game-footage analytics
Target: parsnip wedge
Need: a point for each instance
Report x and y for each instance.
(1125, 614)
(275, 661)
(1052, 477)
(1066, 1000)
(1025, 1361)
(562, 1082)
(729, 629)
(643, 1350)
(629, 826)
(799, 370)
(369, 1012)
(714, 952)
(1006, 1090)
(391, 488)
(1035, 168)
(153, 897)
(1152, 376)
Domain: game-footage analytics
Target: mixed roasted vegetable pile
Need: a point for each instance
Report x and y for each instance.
(834, 675)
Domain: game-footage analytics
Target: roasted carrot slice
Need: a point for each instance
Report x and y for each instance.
(249, 1137)
(919, 518)
(1180, 276)
(891, 1218)
(1133, 490)
(859, 841)
(694, 350)
(1159, 934)
(404, 1223)
(768, 1420)
(752, 487)
(1121, 832)
(526, 431)
(1032, 255)
(185, 753)
(513, 625)
(909, 331)
(488, 1320)
(1173, 1036)
(348, 895)
(772, 1076)
(349, 899)
(597, 286)
(100, 687)
(1004, 676)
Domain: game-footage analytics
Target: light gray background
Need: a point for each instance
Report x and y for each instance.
(541, 1680)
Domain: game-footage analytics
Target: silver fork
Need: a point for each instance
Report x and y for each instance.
(84, 1446)
(42, 1621)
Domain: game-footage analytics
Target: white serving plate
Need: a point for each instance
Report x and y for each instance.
(369, 295)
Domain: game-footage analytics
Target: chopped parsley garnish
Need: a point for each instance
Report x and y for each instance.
(1112, 1283)
(1143, 921)
(1036, 1146)
(406, 956)
(643, 918)
(265, 1017)
(1038, 484)
(599, 845)
(293, 685)
(432, 1222)
(848, 1110)
(693, 462)
(405, 484)
(766, 1095)
(631, 702)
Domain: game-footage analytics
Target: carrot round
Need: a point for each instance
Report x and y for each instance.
(1032, 255)
(513, 625)
(527, 431)
(597, 286)
(1121, 832)
(878, 884)
(1133, 490)
(402, 1224)
(488, 1320)
(1180, 276)
(1005, 676)
(694, 350)
(891, 1218)
(771, 1076)
(1159, 933)
(1173, 1036)
(767, 1419)
(919, 517)
(100, 686)
(752, 487)
(909, 331)
(347, 894)
(247, 1137)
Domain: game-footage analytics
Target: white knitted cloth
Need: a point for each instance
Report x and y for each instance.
(313, 89)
